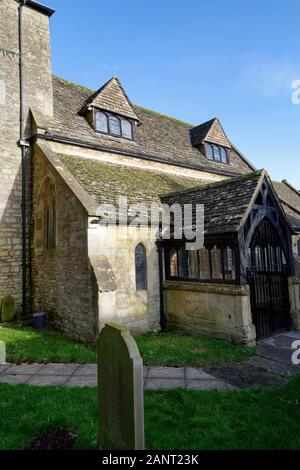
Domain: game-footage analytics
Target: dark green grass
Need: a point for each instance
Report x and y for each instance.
(28, 345)
(181, 349)
(161, 349)
(174, 420)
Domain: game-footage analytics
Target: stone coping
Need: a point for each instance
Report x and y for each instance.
(214, 288)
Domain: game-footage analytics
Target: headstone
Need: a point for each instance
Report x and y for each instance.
(7, 308)
(120, 390)
(2, 353)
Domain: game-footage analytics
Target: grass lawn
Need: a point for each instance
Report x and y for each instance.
(174, 420)
(161, 349)
(28, 345)
(180, 349)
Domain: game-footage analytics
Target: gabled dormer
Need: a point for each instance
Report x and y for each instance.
(109, 111)
(212, 141)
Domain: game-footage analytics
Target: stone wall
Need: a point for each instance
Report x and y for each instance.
(294, 291)
(64, 284)
(219, 311)
(112, 253)
(38, 93)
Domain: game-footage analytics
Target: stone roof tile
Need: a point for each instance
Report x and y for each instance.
(158, 136)
(225, 203)
(105, 182)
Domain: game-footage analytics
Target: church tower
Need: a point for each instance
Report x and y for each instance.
(25, 83)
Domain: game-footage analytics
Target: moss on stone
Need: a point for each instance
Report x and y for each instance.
(7, 308)
(105, 182)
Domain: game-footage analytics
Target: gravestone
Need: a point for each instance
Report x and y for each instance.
(120, 390)
(7, 308)
(2, 353)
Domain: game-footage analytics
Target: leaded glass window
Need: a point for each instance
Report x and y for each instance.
(50, 219)
(140, 267)
(209, 152)
(114, 125)
(216, 153)
(101, 122)
(126, 129)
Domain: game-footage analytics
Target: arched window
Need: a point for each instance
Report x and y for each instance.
(126, 129)
(209, 151)
(173, 262)
(217, 155)
(224, 155)
(114, 125)
(140, 267)
(101, 122)
(50, 218)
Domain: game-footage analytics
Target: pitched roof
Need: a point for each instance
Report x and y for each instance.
(290, 200)
(110, 97)
(210, 131)
(105, 182)
(225, 202)
(158, 137)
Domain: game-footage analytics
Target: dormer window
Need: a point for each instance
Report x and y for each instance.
(112, 124)
(216, 153)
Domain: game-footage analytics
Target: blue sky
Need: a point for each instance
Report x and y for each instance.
(193, 60)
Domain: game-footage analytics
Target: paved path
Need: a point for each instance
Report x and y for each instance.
(271, 367)
(75, 375)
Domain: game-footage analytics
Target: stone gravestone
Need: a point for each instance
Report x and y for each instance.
(120, 390)
(7, 308)
(2, 353)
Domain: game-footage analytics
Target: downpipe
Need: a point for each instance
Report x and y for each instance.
(24, 144)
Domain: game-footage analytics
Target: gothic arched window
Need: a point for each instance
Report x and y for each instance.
(140, 267)
(50, 218)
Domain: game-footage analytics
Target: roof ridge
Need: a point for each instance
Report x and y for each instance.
(139, 107)
(69, 82)
(291, 187)
(217, 184)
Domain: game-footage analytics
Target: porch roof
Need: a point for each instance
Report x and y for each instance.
(225, 202)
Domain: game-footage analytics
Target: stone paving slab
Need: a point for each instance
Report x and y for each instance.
(207, 385)
(50, 380)
(58, 369)
(3, 367)
(281, 342)
(86, 370)
(166, 372)
(193, 373)
(81, 381)
(23, 369)
(14, 379)
(164, 384)
(275, 353)
(272, 366)
(243, 375)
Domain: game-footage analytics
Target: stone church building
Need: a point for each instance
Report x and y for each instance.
(66, 150)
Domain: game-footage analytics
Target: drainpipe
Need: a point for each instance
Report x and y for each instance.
(161, 287)
(24, 144)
